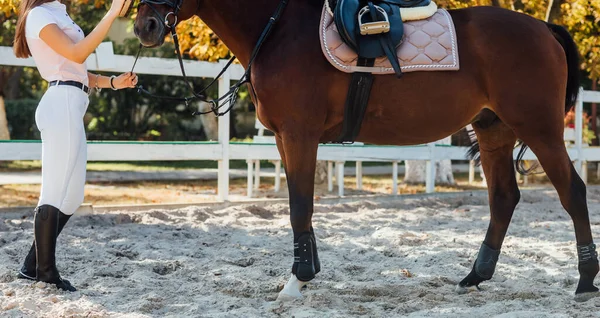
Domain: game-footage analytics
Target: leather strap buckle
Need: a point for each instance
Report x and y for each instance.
(172, 26)
(375, 27)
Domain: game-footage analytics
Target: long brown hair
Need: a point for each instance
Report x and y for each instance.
(20, 46)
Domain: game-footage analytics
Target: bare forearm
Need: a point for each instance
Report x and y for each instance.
(88, 45)
(98, 81)
(125, 80)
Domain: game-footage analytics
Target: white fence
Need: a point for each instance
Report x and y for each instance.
(223, 151)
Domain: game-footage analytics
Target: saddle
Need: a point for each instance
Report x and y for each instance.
(373, 28)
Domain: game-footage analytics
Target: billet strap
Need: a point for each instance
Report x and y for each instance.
(357, 100)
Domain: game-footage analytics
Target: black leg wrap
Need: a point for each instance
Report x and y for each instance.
(304, 258)
(484, 267)
(588, 268)
(315, 253)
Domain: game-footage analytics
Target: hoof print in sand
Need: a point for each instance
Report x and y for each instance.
(242, 262)
(260, 212)
(166, 268)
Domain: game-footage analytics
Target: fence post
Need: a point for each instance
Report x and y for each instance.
(395, 178)
(579, 132)
(339, 177)
(471, 171)
(223, 183)
(430, 169)
(250, 177)
(359, 182)
(330, 176)
(277, 175)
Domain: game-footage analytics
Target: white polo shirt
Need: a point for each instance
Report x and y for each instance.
(51, 65)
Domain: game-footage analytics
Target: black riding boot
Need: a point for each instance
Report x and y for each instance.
(46, 232)
(28, 270)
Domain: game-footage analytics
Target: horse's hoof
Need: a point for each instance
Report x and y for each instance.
(291, 290)
(461, 290)
(586, 296)
(289, 295)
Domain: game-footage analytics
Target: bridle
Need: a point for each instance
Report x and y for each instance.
(231, 96)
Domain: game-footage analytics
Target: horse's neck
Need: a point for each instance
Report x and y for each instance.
(238, 23)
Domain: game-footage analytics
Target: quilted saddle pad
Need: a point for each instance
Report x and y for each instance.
(428, 45)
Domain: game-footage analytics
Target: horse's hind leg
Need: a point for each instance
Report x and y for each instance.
(553, 157)
(544, 135)
(496, 142)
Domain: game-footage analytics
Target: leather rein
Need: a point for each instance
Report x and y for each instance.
(231, 96)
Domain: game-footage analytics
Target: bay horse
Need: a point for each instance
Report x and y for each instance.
(518, 76)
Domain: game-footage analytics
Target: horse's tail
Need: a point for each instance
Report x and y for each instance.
(573, 83)
(573, 79)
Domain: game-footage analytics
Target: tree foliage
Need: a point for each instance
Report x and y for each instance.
(581, 17)
(200, 42)
(583, 20)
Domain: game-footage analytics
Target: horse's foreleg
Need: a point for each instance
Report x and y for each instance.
(299, 151)
(496, 148)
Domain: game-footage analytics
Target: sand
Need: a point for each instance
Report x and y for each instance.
(399, 258)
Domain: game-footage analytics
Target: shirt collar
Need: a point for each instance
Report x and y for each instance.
(56, 5)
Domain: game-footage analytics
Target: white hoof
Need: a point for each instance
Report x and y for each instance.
(291, 290)
(461, 290)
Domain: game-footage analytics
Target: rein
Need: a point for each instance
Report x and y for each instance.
(231, 96)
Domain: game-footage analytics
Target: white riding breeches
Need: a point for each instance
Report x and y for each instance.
(59, 117)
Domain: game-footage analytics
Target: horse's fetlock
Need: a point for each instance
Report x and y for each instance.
(485, 265)
(588, 260)
(304, 257)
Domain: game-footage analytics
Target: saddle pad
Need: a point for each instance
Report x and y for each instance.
(428, 45)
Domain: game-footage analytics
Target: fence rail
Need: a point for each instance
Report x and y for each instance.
(223, 151)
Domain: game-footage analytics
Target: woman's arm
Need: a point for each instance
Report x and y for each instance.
(55, 38)
(125, 80)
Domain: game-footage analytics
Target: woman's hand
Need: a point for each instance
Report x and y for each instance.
(115, 7)
(125, 80)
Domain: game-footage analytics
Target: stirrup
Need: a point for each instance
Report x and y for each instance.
(375, 27)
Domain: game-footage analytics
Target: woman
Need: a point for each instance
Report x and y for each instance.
(46, 32)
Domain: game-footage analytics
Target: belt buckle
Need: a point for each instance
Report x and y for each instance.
(375, 27)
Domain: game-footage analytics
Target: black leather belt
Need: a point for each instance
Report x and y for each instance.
(79, 85)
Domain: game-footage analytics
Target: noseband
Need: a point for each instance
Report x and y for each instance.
(175, 5)
(231, 96)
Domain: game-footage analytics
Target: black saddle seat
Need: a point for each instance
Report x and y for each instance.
(401, 3)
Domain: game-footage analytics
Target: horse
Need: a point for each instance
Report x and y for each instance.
(518, 77)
